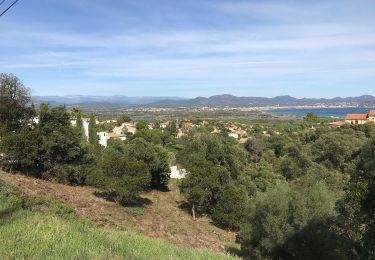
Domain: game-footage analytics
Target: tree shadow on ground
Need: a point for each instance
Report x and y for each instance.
(6, 214)
(110, 196)
(162, 188)
(106, 195)
(236, 252)
(137, 202)
(184, 206)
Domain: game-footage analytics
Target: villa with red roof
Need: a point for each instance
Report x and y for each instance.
(360, 119)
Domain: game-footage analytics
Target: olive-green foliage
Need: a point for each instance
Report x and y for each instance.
(154, 156)
(229, 210)
(211, 162)
(285, 212)
(125, 176)
(218, 149)
(51, 149)
(14, 97)
(154, 136)
(367, 157)
(141, 125)
(79, 125)
(255, 147)
(295, 161)
(336, 149)
(312, 117)
(258, 178)
(202, 185)
(122, 119)
(93, 138)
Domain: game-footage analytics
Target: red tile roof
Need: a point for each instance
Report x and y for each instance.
(356, 117)
(113, 135)
(338, 123)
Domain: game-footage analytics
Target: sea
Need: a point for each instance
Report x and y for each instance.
(322, 112)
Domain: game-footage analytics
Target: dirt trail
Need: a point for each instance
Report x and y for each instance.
(161, 218)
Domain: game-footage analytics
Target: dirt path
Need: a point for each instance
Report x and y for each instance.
(161, 218)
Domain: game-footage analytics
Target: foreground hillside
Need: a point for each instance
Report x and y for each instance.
(160, 217)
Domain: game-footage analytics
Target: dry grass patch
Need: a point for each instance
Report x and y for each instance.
(161, 218)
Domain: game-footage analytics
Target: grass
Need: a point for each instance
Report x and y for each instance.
(46, 230)
(163, 217)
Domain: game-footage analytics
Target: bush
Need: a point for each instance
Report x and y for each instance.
(229, 210)
(285, 219)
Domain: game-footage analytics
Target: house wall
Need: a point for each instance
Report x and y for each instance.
(86, 127)
(356, 122)
(103, 138)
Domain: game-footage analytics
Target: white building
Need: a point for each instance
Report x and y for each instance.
(234, 135)
(104, 137)
(177, 173)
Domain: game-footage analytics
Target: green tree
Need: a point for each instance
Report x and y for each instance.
(155, 157)
(93, 138)
(14, 100)
(127, 178)
(123, 118)
(202, 184)
(141, 125)
(154, 136)
(312, 117)
(217, 149)
(49, 149)
(335, 150)
(229, 210)
(282, 214)
(255, 148)
(258, 178)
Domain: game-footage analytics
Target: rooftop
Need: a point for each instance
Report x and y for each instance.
(356, 117)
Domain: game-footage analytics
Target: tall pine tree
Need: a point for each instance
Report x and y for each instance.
(93, 139)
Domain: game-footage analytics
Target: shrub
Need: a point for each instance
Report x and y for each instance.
(229, 210)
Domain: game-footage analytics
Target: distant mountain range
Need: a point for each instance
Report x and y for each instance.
(103, 101)
(214, 101)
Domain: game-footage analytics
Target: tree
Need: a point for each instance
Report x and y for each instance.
(255, 149)
(46, 149)
(155, 157)
(217, 149)
(335, 150)
(141, 125)
(312, 117)
(229, 210)
(202, 184)
(285, 220)
(79, 126)
(14, 98)
(154, 136)
(258, 178)
(125, 177)
(295, 161)
(123, 118)
(93, 138)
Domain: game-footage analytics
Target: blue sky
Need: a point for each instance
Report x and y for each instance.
(191, 48)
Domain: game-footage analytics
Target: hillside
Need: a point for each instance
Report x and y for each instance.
(161, 216)
(213, 101)
(233, 101)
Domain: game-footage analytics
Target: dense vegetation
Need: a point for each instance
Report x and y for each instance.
(294, 190)
(303, 194)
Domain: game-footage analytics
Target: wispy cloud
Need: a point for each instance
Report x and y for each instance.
(208, 45)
